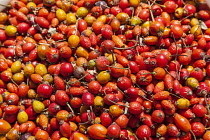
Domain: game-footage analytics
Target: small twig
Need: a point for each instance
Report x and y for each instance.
(70, 107)
(152, 16)
(186, 17)
(14, 82)
(169, 73)
(116, 67)
(145, 98)
(193, 135)
(205, 99)
(179, 71)
(176, 46)
(126, 48)
(175, 95)
(8, 6)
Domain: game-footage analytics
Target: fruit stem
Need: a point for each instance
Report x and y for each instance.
(27, 81)
(132, 11)
(179, 71)
(122, 92)
(176, 46)
(183, 42)
(70, 107)
(104, 6)
(145, 98)
(2, 28)
(76, 26)
(114, 102)
(175, 95)
(117, 67)
(126, 108)
(69, 82)
(141, 88)
(14, 82)
(106, 49)
(193, 135)
(169, 73)
(84, 123)
(126, 48)
(137, 51)
(5, 5)
(89, 116)
(91, 108)
(113, 58)
(135, 136)
(138, 13)
(163, 6)
(44, 44)
(205, 99)
(152, 16)
(60, 40)
(117, 103)
(153, 73)
(190, 46)
(186, 17)
(178, 55)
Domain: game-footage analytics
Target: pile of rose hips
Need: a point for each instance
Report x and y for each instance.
(113, 69)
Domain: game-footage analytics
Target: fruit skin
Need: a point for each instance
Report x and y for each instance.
(135, 107)
(143, 78)
(78, 136)
(161, 130)
(106, 119)
(162, 95)
(4, 127)
(42, 22)
(61, 14)
(192, 83)
(22, 117)
(113, 131)
(183, 103)
(11, 30)
(65, 129)
(41, 69)
(199, 110)
(143, 132)
(73, 41)
(124, 83)
(61, 97)
(206, 135)
(173, 130)
(102, 63)
(42, 135)
(198, 128)
(97, 131)
(122, 121)
(59, 83)
(16, 67)
(13, 134)
(104, 29)
(117, 70)
(158, 116)
(103, 77)
(88, 99)
(44, 90)
(182, 123)
(38, 106)
(66, 69)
